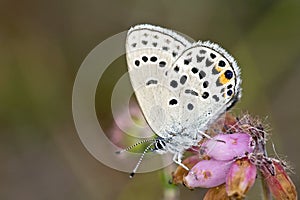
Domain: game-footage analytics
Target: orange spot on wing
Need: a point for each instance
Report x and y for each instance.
(222, 79)
(218, 68)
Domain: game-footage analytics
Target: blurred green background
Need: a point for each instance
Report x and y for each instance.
(43, 43)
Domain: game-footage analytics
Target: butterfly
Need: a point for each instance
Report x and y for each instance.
(182, 86)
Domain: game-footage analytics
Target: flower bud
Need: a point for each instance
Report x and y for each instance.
(180, 172)
(227, 146)
(207, 174)
(280, 184)
(240, 178)
(216, 193)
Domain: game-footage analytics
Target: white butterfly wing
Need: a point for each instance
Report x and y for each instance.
(150, 52)
(207, 84)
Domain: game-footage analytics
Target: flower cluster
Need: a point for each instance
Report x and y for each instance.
(229, 162)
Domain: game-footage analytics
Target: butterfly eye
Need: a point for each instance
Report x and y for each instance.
(160, 145)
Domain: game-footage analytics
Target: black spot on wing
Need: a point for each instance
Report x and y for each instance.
(229, 86)
(187, 61)
(199, 58)
(222, 63)
(218, 83)
(173, 102)
(183, 79)
(165, 48)
(228, 74)
(153, 59)
(145, 58)
(202, 74)
(208, 62)
(195, 70)
(176, 68)
(137, 63)
(202, 51)
(214, 71)
(162, 64)
(150, 82)
(173, 84)
(212, 55)
(192, 92)
(205, 95)
(216, 98)
(229, 92)
(190, 106)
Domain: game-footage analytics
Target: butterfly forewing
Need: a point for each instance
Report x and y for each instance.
(150, 52)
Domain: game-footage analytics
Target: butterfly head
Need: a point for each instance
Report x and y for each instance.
(160, 146)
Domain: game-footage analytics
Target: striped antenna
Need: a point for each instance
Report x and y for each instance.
(140, 160)
(136, 144)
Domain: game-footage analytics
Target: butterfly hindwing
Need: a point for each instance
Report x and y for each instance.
(207, 84)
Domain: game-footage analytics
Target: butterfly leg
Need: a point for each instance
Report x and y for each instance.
(209, 137)
(177, 160)
(205, 135)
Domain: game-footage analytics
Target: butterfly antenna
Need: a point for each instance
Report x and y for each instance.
(134, 145)
(140, 160)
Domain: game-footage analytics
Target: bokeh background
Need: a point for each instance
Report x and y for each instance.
(43, 43)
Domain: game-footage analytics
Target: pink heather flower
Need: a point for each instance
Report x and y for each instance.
(180, 172)
(240, 178)
(207, 174)
(234, 145)
(229, 163)
(222, 150)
